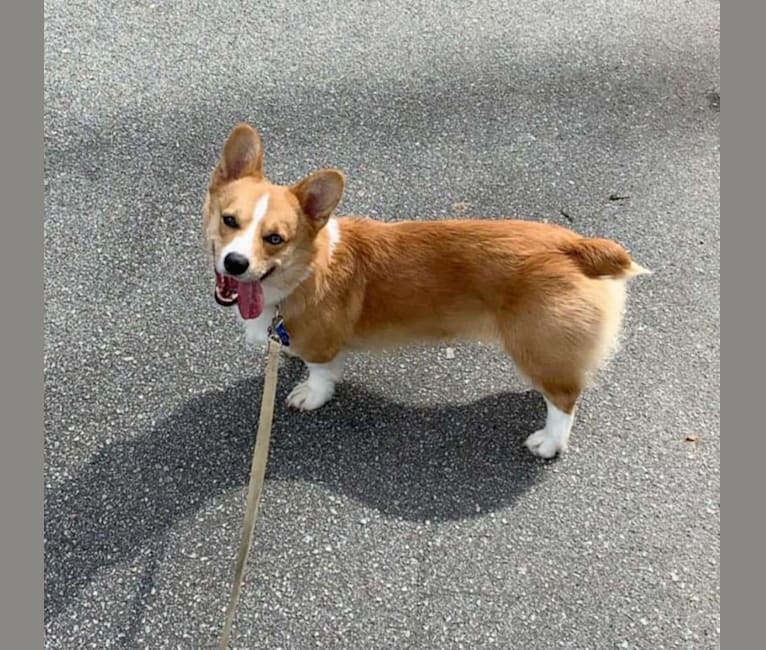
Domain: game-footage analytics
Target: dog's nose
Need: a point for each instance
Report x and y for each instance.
(235, 263)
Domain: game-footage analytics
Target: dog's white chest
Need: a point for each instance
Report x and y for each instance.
(257, 329)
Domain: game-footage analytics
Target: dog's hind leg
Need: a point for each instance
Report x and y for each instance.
(555, 358)
(553, 438)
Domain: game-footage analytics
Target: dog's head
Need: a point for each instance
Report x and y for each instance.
(261, 235)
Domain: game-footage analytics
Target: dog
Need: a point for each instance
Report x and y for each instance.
(552, 299)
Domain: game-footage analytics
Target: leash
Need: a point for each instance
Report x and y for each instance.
(276, 339)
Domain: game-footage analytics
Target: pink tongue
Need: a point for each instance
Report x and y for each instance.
(250, 299)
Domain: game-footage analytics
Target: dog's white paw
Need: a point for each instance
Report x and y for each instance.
(545, 444)
(309, 395)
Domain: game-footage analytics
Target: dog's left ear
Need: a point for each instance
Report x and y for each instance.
(319, 194)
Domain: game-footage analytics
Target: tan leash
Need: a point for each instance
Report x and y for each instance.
(277, 337)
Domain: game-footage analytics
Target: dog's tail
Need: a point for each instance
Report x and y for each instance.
(599, 258)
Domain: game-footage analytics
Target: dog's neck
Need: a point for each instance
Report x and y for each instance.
(315, 283)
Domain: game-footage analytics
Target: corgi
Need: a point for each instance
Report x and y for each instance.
(553, 300)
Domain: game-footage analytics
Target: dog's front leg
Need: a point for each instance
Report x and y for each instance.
(320, 385)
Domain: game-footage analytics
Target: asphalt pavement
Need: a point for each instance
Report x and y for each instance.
(406, 513)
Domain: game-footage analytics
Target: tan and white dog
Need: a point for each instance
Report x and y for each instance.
(552, 299)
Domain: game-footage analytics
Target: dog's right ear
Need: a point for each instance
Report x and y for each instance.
(319, 194)
(242, 155)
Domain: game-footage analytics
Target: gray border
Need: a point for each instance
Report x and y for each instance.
(21, 486)
(745, 577)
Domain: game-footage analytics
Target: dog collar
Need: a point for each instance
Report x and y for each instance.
(277, 329)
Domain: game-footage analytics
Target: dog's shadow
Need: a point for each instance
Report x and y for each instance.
(443, 462)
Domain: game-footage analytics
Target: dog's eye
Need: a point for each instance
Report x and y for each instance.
(274, 239)
(230, 221)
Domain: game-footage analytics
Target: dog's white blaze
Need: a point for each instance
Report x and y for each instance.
(259, 212)
(243, 244)
(260, 209)
(333, 232)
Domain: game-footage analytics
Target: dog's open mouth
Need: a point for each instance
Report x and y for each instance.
(247, 295)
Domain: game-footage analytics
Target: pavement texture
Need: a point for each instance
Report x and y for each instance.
(406, 513)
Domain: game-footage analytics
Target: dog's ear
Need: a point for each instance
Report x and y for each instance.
(319, 194)
(242, 155)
